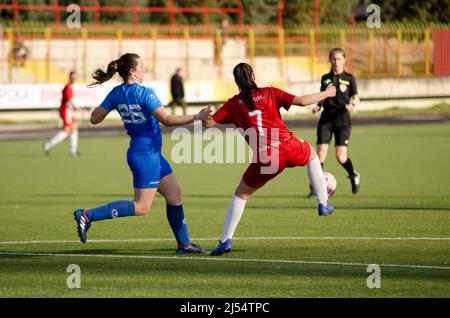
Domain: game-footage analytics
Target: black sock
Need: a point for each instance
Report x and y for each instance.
(348, 165)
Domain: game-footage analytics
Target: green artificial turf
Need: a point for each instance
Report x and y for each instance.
(282, 248)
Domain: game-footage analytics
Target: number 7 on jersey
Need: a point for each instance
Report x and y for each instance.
(258, 114)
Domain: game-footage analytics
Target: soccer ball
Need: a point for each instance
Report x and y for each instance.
(331, 182)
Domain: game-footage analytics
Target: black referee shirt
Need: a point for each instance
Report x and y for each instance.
(345, 84)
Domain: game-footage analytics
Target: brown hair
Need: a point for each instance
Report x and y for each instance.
(334, 51)
(243, 76)
(121, 65)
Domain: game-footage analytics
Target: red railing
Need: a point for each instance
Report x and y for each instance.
(441, 49)
(171, 9)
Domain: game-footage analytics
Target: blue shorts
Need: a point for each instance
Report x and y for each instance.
(148, 167)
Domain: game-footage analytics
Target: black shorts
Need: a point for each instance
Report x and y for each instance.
(338, 124)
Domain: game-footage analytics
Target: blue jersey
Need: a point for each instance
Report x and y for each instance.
(135, 104)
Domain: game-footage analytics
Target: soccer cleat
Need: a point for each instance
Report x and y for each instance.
(75, 154)
(193, 248)
(324, 211)
(355, 180)
(83, 224)
(224, 247)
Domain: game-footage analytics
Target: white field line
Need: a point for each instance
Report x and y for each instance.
(306, 238)
(220, 259)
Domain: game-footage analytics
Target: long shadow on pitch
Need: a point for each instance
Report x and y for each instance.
(208, 196)
(74, 195)
(229, 268)
(346, 208)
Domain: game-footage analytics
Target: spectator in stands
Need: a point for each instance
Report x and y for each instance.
(19, 51)
(177, 90)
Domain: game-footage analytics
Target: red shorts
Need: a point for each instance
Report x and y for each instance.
(292, 153)
(67, 117)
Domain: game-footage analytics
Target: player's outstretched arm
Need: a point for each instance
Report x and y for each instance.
(168, 120)
(98, 115)
(306, 100)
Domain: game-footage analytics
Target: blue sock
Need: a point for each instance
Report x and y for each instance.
(175, 216)
(111, 210)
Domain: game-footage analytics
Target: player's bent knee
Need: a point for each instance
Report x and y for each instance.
(244, 196)
(312, 154)
(142, 209)
(173, 197)
(341, 158)
(141, 212)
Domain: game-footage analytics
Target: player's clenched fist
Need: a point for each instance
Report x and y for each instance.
(331, 90)
(205, 113)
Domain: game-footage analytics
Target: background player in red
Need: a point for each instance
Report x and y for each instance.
(258, 109)
(70, 127)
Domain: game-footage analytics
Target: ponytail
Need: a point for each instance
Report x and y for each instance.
(101, 76)
(121, 65)
(243, 76)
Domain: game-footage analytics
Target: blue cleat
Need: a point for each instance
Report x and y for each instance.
(224, 247)
(83, 223)
(324, 211)
(193, 248)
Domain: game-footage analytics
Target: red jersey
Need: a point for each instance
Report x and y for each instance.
(67, 95)
(265, 117)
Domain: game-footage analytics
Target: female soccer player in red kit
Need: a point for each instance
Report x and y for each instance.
(69, 121)
(259, 109)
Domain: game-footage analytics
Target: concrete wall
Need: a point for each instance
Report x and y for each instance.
(198, 55)
(391, 92)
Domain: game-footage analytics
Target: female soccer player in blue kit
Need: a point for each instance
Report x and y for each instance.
(141, 111)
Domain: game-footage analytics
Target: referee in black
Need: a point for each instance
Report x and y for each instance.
(335, 118)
